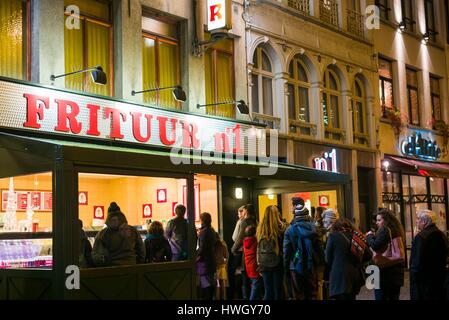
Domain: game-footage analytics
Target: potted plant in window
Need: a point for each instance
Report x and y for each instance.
(442, 128)
(393, 114)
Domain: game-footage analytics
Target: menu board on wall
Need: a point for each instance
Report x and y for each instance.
(40, 200)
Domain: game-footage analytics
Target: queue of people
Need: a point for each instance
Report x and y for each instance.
(318, 258)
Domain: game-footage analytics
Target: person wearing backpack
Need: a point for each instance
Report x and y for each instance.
(303, 253)
(221, 260)
(251, 267)
(270, 235)
(346, 252)
(391, 275)
(156, 246)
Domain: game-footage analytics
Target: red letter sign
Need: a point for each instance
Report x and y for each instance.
(35, 110)
(116, 132)
(63, 116)
(136, 126)
(215, 11)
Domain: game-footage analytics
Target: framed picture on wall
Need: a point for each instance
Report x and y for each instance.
(161, 195)
(173, 206)
(323, 201)
(98, 212)
(196, 188)
(147, 211)
(40, 200)
(82, 198)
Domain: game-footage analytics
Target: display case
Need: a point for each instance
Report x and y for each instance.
(26, 250)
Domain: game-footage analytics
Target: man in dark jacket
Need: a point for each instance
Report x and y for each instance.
(428, 259)
(176, 233)
(303, 253)
(249, 219)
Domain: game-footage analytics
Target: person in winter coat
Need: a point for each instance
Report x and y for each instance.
(249, 219)
(205, 262)
(156, 246)
(303, 253)
(250, 254)
(392, 277)
(85, 257)
(428, 259)
(176, 233)
(345, 278)
(270, 235)
(119, 243)
(236, 263)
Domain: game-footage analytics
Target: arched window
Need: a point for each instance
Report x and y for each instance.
(331, 102)
(262, 82)
(359, 113)
(298, 98)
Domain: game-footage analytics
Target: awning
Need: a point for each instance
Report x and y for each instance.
(422, 168)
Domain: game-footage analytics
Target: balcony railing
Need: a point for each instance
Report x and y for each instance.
(355, 23)
(329, 12)
(300, 5)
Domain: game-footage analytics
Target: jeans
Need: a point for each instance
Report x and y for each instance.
(387, 293)
(255, 288)
(272, 281)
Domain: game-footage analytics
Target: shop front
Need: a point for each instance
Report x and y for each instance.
(65, 156)
(415, 178)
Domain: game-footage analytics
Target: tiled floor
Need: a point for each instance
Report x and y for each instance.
(366, 294)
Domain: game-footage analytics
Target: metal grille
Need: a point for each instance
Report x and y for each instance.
(300, 5)
(355, 23)
(391, 197)
(329, 12)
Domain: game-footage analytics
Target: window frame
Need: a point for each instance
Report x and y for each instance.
(384, 9)
(261, 74)
(328, 92)
(411, 88)
(409, 21)
(430, 30)
(362, 100)
(384, 79)
(166, 39)
(84, 17)
(434, 95)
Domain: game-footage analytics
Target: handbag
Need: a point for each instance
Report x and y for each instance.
(393, 255)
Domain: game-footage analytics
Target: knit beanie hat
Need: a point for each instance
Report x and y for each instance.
(113, 207)
(299, 207)
(329, 217)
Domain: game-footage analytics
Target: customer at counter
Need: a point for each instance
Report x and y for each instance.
(156, 245)
(176, 233)
(119, 243)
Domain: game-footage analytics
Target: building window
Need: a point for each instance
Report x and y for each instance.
(331, 104)
(383, 8)
(298, 97)
(407, 14)
(89, 46)
(219, 71)
(435, 95)
(430, 19)
(412, 97)
(359, 113)
(386, 84)
(14, 16)
(262, 82)
(160, 61)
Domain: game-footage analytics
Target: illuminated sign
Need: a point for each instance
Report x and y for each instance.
(419, 147)
(219, 14)
(42, 109)
(322, 163)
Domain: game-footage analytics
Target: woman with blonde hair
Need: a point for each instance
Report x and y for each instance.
(270, 235)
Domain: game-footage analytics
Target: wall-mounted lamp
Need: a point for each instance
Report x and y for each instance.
(98, 75)
(178, 93)
(238, 193)
(426, 37)
(386, 165)
(271, 196)
(402, 25)
(241, 105)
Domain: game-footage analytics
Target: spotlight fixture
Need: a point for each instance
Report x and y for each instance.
(426, 37)
(178, 93)
(402, 25)
(241, 105)
(98, 75)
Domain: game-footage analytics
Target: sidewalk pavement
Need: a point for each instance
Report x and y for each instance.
(366, 294)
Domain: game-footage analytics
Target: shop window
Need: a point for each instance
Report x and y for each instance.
(438, 201)
(26, 222)
(407, 14)
(412, 97)
(359, 113)
(89, 46)
(160, 61)
(384, 8)
(142, 199)
(386, 84)
(430, 19)
(13, 38)
(331, 104)
(219, 72)
(435, 95)
(298, 98)
(262, 82)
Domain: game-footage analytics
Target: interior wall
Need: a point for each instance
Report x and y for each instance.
(264, 202)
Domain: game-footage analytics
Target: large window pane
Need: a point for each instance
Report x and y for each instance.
(414, 107)
(267, 96)
(27, 211)
(359, 116)
(73, 57)
(224, 87)
(304, 104)
(168, 72)
(12, 39)
(335, 114)
(149, 69)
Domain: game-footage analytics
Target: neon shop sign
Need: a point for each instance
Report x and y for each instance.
(327, 162)
(419, 147)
